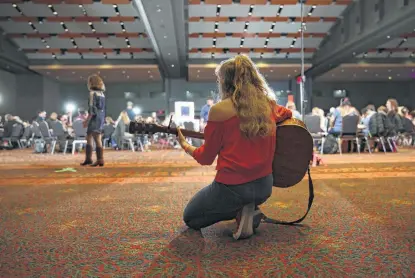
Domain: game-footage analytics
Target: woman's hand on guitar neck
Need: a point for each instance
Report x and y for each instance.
(183, 143)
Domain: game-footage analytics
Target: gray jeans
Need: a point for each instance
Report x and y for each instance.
(219, 202)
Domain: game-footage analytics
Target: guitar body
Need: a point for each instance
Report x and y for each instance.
(293, 153)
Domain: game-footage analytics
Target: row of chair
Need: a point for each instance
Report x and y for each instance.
(350, 132)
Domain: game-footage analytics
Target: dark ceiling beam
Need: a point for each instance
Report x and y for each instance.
(366, 24)
(380, 61)
(10, 56)
(257, 61)
(92, 62)
(165, 25)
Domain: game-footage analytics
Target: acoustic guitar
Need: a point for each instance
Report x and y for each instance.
(293, 153)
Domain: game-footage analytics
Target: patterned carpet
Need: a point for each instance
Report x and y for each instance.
(124, 220)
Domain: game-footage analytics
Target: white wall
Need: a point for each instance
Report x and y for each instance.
(7, 93)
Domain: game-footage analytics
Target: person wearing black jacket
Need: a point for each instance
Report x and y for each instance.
(376, 123)
(395, 121)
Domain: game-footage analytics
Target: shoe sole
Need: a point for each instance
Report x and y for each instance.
(258, 216)
(245, 229)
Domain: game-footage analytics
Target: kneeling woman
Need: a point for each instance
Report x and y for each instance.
(95, 121)
(241, 129)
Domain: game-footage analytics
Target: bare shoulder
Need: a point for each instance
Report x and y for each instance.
(222, 111)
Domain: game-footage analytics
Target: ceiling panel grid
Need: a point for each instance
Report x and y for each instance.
(75, 29)
(261, 25)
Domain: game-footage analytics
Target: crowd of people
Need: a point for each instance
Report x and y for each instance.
(389, 120)
(115, 131)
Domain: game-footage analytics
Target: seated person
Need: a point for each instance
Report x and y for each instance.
(121, 130)
(345, 109)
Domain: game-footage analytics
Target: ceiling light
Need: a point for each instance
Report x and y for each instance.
(66, 30)
(90, 23)
(281, 6)
(270, 30)
(151, 76)
(172, 66)
(115, 6)
(388, 37)
(309, 14)
(158, 10)
(197, 76)
(314, 6)
(128, 46)
(219, 6)
(390, 77)
(245, 30)
(14, 5)
(81, 6)
(252, 6)
(198, 70)
(30, 23)
(165, 37)
(216, 29)
(49, 6)
(55, 13)
(169, 54)
(47, 46)
(93, 30)
(123, 72)
(128, 76)
(365, 70)
(249, 13)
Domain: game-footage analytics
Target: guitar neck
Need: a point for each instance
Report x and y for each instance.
(187, 133)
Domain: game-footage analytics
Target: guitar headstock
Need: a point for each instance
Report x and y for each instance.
(145, 128)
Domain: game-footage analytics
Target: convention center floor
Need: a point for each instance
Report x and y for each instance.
(125, 220)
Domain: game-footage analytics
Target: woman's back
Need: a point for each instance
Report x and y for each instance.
(240, 159)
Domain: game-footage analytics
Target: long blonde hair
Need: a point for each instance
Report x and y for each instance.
(240, 81)
(124, 117)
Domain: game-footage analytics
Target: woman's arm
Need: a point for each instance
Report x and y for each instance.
(206, 154)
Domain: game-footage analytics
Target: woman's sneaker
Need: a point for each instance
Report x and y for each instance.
(244, 221)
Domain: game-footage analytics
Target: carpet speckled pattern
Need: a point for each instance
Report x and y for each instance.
(125, 220)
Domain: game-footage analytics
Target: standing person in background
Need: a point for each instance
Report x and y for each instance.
(155, 118)
(204, 113)
(130, 111)
(41, 116)
(291, 106)
(82, 114)
(95, 121)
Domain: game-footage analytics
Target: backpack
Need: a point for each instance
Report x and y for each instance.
(39, 146)
(330, 145)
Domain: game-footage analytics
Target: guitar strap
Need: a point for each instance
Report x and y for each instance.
(310, 203)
